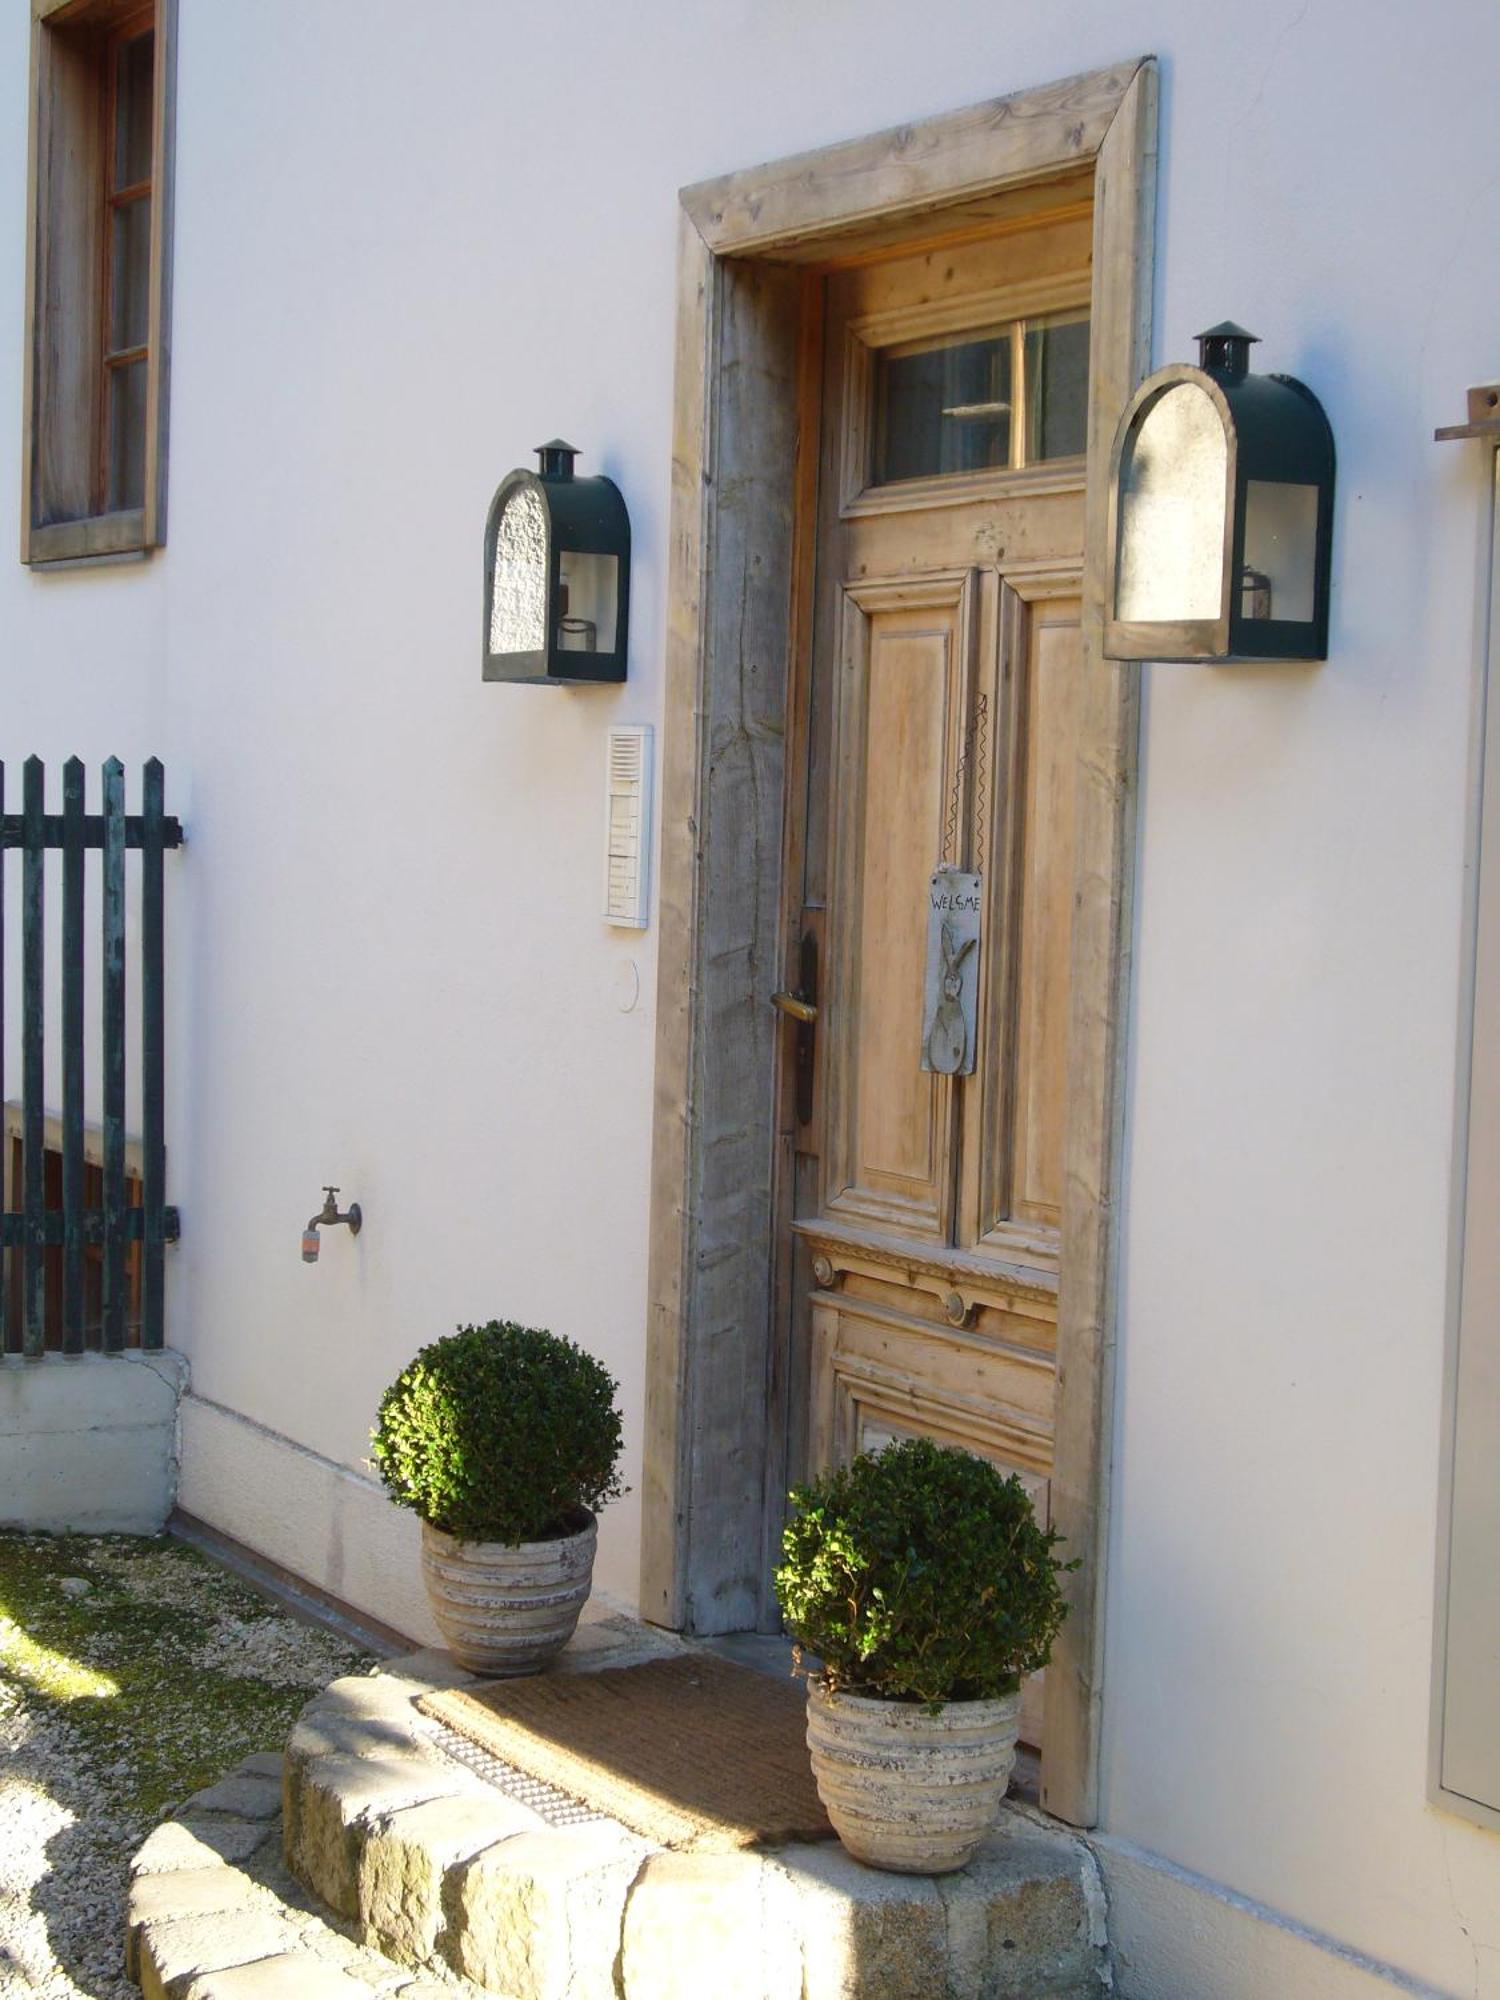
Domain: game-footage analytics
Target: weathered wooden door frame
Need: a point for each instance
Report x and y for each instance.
(743, 247)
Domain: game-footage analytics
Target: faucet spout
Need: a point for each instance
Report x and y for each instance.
(330, 1213)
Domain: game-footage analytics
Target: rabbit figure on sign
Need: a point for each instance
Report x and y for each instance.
(948, 1039)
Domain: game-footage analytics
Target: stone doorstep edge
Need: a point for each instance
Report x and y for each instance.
(198, 1927)
(437, 1868)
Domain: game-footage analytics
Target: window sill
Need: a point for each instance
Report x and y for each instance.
(956, 489)
(101, 535)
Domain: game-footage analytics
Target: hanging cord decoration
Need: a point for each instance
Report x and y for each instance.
(976, 749)
(981, 778)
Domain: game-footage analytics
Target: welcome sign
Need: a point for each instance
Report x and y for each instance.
(950, 1001)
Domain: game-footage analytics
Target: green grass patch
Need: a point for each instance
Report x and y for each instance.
(167, 1668)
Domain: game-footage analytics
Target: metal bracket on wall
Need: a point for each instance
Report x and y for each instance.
(1484, 416)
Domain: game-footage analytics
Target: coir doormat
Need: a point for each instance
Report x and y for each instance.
(692, 1752)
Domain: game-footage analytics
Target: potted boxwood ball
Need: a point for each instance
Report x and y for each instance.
(505, 1440)
(922, 1580)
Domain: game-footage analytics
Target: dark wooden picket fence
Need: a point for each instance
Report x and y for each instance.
(83, 1238)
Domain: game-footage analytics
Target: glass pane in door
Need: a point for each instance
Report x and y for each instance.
(1057, 388)
(944, 407)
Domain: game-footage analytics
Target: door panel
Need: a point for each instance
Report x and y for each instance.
(879, 1366)
(903, 693)
(1054, 668)
(1013, 1195)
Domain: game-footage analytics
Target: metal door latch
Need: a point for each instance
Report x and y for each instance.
(796, 1006)
(802, 1007)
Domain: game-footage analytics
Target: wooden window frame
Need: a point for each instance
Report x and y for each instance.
(1012, 309)
(744, 245)
(65, 516)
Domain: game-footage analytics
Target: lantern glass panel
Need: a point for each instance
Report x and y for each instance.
(518, 606)
(587, 597)
(1281, 544)
(1172, 501)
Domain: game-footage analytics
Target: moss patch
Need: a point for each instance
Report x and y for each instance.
(165, 1669)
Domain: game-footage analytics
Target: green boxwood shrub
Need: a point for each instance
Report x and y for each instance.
(501, 1433)
(921, 1574)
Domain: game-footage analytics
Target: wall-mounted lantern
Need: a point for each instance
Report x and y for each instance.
(1220, 514)
(556, 575)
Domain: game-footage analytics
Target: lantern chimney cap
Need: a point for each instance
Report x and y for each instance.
(1225, 350)
(555, 458)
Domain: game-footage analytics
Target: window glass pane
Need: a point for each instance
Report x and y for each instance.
(127, 436)
(1172, 503)
(1281, 544)
(129, 276)
(943, 409)
(1057, 388)
(134, 66)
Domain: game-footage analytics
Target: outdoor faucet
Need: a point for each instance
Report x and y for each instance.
(329, 1212)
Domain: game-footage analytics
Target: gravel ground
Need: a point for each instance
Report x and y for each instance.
(132, 1672)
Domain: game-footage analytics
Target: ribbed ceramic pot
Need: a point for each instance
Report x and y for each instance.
(506, 1610)
(906, 1790)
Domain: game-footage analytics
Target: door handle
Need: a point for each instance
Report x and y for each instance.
(793, 1004)
(802, 1007)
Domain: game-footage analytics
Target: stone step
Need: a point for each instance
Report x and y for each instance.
(214, 1914)
(449, 1874)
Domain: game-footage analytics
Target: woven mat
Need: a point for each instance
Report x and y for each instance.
(692, 1752)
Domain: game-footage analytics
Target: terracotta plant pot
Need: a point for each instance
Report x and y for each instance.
(909, 1791)
(505, 1610)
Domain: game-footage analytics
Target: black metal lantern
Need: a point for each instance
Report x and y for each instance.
(1221, 514)
(556, 575)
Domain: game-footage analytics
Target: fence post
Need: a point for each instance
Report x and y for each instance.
(153, 1060)
(113, 1079)
(72, 1056)
(33, 1268)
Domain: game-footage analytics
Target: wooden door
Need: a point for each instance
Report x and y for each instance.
(936, 725)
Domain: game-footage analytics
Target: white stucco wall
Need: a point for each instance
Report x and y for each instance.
(410, 244)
